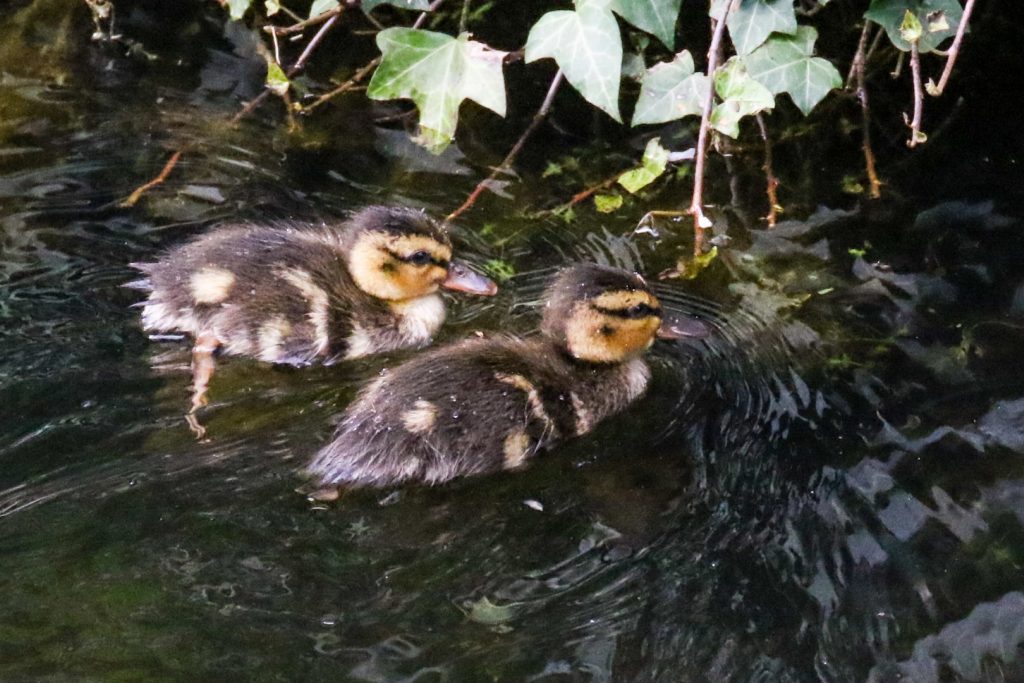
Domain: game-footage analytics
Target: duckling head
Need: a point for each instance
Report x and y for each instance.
(608, 315)
(398, 254)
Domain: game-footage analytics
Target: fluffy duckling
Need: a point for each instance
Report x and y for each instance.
(297, 294)
(485, 405)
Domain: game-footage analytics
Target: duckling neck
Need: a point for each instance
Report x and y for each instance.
(419, 318)
(600, 390)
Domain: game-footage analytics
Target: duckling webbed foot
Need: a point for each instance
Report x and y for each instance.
(203, 366)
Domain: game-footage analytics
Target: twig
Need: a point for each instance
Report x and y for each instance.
(464, 17)
(134, 197)
(859, 61)
(296, 68)
(516, 148)
(771, 182)
(954, 50)
(700, 221)
(303, 25)
(915, 70)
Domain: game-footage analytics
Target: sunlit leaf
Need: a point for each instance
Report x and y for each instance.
(606, 203)
(272, 7)
(754, 20)
(651, 166)
(238, 8)
(657, 17)
(741, 96)
(277, 81)
(785, 64)
(418, 5)
(585, 44)
(437, 72)
(321, 6)
(671, 90)
(939, 20)
(910, 28)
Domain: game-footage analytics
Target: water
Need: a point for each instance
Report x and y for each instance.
(825, 489)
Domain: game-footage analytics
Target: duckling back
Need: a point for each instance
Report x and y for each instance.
(476, 407)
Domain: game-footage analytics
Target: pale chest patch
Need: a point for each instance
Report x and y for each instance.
(635, 376)
(420, 318)
(211, 285)
(360, 343)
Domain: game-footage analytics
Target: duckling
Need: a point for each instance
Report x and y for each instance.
(485, 405)
(298, 294)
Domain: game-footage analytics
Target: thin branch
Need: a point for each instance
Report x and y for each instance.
(916, 135)
(859, 61)
(954, 50)
(134, 197)
(303, 25)
(295, 69)
(464, 17)
(860, 57)
(516, 148)
(771, 181)
(700, 221)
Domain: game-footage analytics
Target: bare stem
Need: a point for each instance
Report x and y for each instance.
(915, 70)
(303, 25)
(516, 148)
(771, 181)
(954, 50)
(859, 61)
(696, 202)
(134, 197)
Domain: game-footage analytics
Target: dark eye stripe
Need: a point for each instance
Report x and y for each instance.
(633, 312)
(409, 259)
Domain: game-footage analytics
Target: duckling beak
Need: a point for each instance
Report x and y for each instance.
(677, 326)
(462, 279)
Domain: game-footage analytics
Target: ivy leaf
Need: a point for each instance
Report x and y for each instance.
(321, 6)
(657, 17)
(277, 80)
(910, 28)
(585, 44)
(437, 72)
(938, 20)
(670, 91)
(754, 20)
(418, 5)
(238, 8)
(651, 166)
(607, 203)
(786, 64)
(741, 96)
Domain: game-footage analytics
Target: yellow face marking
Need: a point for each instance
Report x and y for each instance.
(595, 333)
(272, 335)
(515, 448)
(318, 303)
(211, 285)
(377, 266)
(420, 418)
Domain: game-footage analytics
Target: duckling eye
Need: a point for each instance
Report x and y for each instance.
(641, 311)
(420, 258)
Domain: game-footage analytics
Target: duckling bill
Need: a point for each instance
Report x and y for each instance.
(298, 294)
(486, 405)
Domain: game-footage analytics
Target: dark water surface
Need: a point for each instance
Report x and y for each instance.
(829, 488)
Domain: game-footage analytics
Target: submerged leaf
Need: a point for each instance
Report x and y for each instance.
(754, 20)
(606, 203)
(651, 166)
(657, 17)
(483, 611)
(785, 64)
(585, 44)
(437, 72)
(671, 90)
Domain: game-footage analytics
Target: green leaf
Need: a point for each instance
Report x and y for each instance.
(651, 166)
(238, 8)
(272, 7)
(785, 64)
(754, 20)
(657, 17)
(418, 5)
(910, 28)
(741, 96)
(321, 6)
(277, 81)
(437, 72)
(585, 44)
(938, 20)
(671, 90)
(606, 203)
